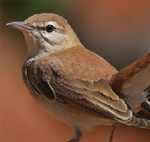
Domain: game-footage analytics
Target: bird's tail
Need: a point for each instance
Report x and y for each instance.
(133, 85)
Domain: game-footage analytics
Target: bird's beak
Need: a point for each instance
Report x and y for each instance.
(19, 26)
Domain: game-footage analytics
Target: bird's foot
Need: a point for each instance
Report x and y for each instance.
(77, 135)
(73, 140)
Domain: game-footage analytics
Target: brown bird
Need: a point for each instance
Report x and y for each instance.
(78, 86)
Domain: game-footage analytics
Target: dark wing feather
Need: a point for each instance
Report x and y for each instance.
(46, 89)
(39, 84)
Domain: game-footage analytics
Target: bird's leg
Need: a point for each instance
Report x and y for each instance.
(115, 126)
(77, 135)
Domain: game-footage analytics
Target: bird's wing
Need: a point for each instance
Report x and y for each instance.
(97, 96)
(94, 95)
(133, 81)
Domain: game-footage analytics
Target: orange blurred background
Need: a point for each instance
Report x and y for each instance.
(117, 30)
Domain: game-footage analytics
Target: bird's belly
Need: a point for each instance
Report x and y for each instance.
(85, 121)
(73, 117)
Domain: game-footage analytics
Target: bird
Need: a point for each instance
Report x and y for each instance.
(77, 86)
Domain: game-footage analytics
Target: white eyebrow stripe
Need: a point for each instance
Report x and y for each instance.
(36, 24)
(54, 24)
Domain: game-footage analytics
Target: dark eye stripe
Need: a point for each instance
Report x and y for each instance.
(40, 28)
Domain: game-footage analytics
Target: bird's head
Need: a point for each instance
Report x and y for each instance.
(46, 33)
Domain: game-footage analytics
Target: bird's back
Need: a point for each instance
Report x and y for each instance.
(79, 62)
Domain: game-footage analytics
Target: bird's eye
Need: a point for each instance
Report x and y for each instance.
(49, 28)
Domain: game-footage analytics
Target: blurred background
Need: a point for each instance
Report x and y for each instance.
(118, 30)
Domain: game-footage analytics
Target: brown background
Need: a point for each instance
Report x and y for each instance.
(117, 30)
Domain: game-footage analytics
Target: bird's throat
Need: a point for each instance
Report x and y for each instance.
(32, 46)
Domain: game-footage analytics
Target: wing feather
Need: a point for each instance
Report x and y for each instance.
(94, 94)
